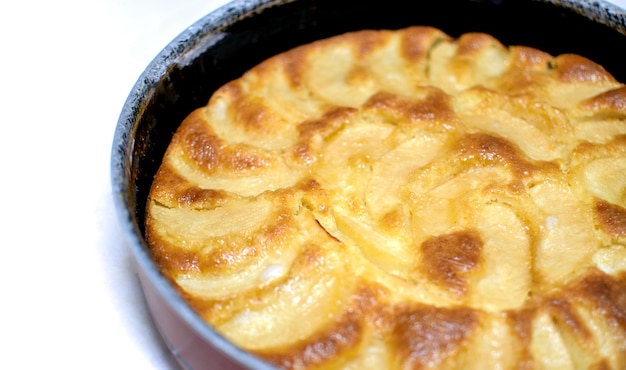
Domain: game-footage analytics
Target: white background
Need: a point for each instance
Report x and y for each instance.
(69, 297)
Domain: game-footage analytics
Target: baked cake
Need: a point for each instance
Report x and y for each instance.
(404, 199)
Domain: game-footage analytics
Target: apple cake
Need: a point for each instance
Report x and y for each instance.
(404, 199)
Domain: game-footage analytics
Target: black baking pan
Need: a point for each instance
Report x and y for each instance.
(225, 43)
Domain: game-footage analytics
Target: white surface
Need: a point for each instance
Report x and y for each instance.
(69, 297)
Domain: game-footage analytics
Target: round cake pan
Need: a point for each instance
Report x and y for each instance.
(225, 43)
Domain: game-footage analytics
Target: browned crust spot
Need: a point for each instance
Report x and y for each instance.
(566, 316)
(472, 43)
(210, 152)
(170, 189)
(229, 253)
(576, 68)
(521, 324)
(610, 101)
(492, 150)
(607, 293)
(173, 260)
(448, 259)
(611, 217)
(341, 336)
(435, 107)
(425, 336)
(602, 293)
(308, 131)
(319, 348)
(527, 58)
(417, 42)
(366, 42)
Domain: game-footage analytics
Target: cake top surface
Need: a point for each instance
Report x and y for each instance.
(404, 199)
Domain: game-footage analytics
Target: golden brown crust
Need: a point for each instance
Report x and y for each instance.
(575, 68)
(425, 337)
(612, 218)
(447, 259)
(403, 199)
